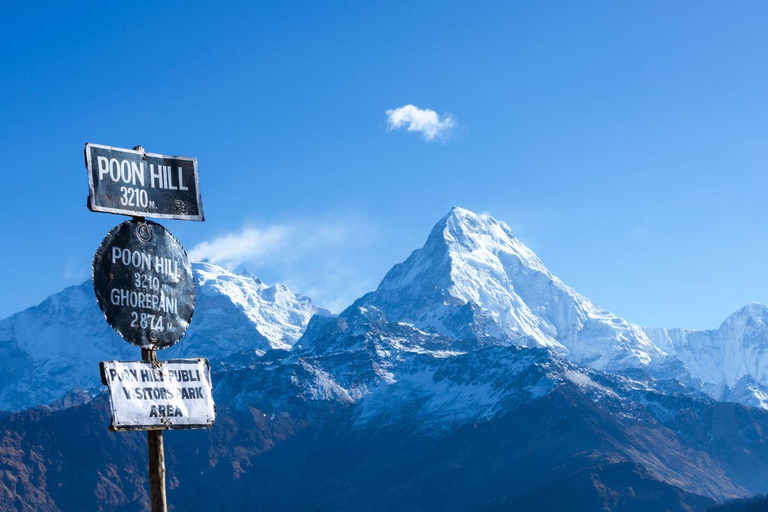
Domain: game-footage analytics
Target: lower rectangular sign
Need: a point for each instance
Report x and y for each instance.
(172, 394)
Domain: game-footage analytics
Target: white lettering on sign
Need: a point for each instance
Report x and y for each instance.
(147, 293)
(129, 173)
(169, 394)
(119, 171)
(145, 261)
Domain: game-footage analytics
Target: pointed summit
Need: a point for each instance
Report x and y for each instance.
(464, 227)
(752, 317)
(474, 280)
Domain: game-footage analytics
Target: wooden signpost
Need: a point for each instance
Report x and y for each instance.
(144, 284)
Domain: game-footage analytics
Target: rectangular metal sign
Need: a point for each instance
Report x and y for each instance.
(172, 394)
(129, 182)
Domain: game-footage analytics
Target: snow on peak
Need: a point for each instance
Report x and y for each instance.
(752, 317)
(274, 311)
(474, 279)
(721, 358)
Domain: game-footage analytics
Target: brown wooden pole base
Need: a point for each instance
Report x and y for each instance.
(156, 457)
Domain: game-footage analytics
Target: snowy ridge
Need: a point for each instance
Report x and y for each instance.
(466, 388)
(731, 361)
(277, 313)
(49, 349)
(360, 359)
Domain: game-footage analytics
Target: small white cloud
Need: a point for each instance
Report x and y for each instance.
(424, 121)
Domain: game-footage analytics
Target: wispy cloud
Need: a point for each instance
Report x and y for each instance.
(74, 270)
(316, 256)
(424, 121)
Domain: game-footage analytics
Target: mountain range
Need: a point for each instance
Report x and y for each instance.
(472, 378)
(52, 348)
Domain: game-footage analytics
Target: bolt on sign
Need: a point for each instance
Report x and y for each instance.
(172, 394)
(144, 284)
(132, 182)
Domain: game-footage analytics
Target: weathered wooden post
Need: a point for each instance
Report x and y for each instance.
(156, 454)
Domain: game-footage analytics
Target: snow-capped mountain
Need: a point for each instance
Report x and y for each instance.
(471, 379)
(731, 361)
(237, 311)
(56, 346)
(473, 284)
(474, 280)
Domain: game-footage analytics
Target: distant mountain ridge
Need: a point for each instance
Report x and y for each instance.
(731, 361)
(56, 346)
(472, 281)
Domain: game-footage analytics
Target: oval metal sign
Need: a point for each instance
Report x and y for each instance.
(144, 284)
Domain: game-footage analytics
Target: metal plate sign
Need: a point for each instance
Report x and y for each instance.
(144, 284)
(173, 394)
(141, 184)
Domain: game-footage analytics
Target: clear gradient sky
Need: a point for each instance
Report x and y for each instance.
(625, 142)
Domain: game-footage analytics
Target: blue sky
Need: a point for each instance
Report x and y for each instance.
(625, 142)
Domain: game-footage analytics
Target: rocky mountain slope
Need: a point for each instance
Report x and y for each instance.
(368, 414)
